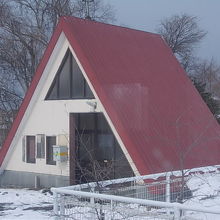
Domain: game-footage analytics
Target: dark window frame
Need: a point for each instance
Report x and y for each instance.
(49, 151)
(28, 149)
(55, 86)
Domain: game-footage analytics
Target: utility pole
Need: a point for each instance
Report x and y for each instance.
(87, 8)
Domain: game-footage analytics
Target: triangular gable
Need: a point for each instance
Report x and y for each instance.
(145, 92)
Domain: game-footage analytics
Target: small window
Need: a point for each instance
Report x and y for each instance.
(40, 146)
(50, 141)
(30, 149)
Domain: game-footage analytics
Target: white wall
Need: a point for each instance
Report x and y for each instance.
(52, 119)
(49, 117)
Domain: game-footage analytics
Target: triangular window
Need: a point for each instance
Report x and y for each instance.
(69, 82)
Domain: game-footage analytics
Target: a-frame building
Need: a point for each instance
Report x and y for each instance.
(109, 96)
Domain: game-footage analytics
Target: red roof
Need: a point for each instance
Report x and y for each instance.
(154, 107)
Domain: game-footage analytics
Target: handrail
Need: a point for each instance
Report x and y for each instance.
(140, 178)
(76, 190)
(134, 200)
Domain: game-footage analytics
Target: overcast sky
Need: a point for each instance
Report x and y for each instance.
(147, 14)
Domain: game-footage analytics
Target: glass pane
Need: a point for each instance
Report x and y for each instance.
(102, 124)
(77, 81)
(86, 148)
(52, 94)
(87, 121)
(40, 146)
(31, 149)
(105, 141)
(88, 92)
(50, 142)
(105, 149)
(64, 83)
(119, 155)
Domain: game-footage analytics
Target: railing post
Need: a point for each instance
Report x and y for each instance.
(168, 187)
(168, 190)
(62, 205)
(112, 211)
(55, 203)
(176, 213)
(92, 202)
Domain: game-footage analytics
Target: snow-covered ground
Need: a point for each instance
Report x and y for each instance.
(30, 204)
(206, 193)
(25, 204)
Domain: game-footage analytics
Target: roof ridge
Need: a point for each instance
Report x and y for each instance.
(68, 18)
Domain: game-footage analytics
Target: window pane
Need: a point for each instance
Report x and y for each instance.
(50, 142)
(87, 121)
(40, 146)
(64, 83)
(102, 124)
(31, 149)
(88, 92)
(77, 81)
(52, 94)
(86, 148)
(105, 144)
(60, 88)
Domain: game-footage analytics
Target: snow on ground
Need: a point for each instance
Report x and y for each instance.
(25, 204)
(206, 193)
(31, 204)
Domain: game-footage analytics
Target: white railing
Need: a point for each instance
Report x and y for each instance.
(98, 200)
(111, 200)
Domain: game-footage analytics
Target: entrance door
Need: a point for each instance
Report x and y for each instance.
(94, 151)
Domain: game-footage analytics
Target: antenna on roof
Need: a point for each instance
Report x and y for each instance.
(87, 8)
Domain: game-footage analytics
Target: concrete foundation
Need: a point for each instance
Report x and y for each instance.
(32, 180)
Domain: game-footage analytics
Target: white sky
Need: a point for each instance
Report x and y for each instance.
(147, 14)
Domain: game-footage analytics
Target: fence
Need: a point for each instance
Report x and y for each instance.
(144, 197)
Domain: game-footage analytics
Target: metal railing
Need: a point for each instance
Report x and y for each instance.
(143, 197)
